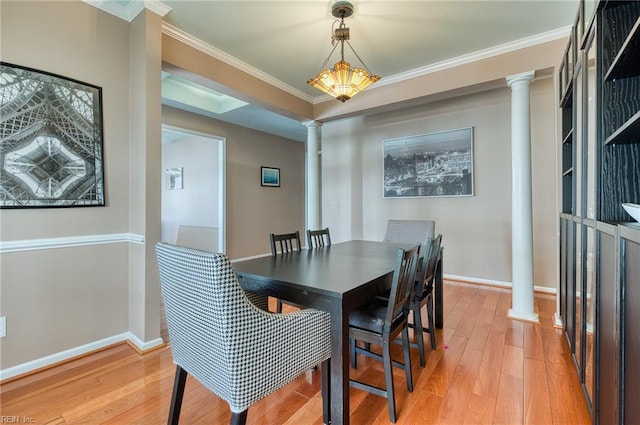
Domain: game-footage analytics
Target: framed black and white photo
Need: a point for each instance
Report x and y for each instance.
(434, 164)
(173, 178)
(51, 137)
(270, 176)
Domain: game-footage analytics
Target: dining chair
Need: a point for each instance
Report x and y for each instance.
(236, 350)
(423, 296)
(287, 242)
(318, 238)
(380, 321)
(409, 231)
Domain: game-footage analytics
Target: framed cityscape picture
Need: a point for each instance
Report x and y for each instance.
(50, 140)
(434, 164)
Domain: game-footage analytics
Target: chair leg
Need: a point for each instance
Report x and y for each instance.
(325, 370)
(432, 326)
(407, 358)
(238, 418)
(417, 329)
(278, 305)
(388, 377)
(176, 398)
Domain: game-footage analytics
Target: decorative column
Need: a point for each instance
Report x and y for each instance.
(521, 209)
(313, 181)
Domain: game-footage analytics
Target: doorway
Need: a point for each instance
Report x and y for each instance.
(193, 192)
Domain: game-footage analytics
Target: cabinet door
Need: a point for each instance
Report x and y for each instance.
(607, 341)
(630, 244)
(591, 127)
(578, 354)
(563, 269)
(571, 285)
(589, 313)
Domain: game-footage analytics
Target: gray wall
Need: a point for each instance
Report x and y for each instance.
(57, 299)
(476, 230)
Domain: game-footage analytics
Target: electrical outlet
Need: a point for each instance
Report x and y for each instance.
(3, 327)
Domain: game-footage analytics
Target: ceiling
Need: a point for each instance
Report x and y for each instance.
(286, 42)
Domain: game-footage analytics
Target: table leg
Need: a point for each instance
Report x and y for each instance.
(339, 367)
(439, 296)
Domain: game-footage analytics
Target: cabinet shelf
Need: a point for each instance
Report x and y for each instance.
(629, 132)
(568, 137)
(627, 61)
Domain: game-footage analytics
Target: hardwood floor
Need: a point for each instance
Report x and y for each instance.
(487, 369)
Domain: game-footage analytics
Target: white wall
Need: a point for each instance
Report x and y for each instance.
(476, 230)
(196, 204)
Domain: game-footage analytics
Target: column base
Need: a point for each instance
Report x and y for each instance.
(525, 317)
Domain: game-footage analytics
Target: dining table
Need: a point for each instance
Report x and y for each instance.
(337, 278)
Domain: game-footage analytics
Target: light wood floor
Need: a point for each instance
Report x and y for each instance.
(487, 370)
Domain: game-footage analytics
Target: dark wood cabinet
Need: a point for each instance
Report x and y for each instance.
(599, 285)
(630, 278)
(607, 351)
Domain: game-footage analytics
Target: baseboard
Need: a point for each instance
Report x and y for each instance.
(42, 363)
(496, 283)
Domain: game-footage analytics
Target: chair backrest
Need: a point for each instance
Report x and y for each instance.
(287, 242)
(404, 276)
(409, 231)
(427, 270)
(318, 238)
(207, 313)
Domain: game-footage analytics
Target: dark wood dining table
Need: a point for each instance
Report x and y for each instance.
(336, 279)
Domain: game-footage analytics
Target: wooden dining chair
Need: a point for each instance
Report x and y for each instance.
(287, 243)
(423, 296)
(318, 238)
(214, 329)
(380, 321)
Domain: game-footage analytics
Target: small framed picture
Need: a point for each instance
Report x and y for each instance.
(270, 176)
(173, 178)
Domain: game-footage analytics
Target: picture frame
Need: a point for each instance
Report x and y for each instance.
(173, 178)
(429, 165)
(270, 176)
(51, 140)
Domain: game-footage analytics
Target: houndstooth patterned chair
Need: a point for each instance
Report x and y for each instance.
(238, 351)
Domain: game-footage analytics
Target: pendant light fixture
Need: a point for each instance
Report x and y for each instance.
(343, 81)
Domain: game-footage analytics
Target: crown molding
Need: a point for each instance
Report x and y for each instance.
(216, 53)
(134, 7)
(128, 11)
(478, 55)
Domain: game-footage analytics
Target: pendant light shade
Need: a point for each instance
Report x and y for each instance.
(342, 81)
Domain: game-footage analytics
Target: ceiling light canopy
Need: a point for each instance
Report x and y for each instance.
(343, 81)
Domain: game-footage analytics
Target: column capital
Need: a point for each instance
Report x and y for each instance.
(522, 77)
(310, 124)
